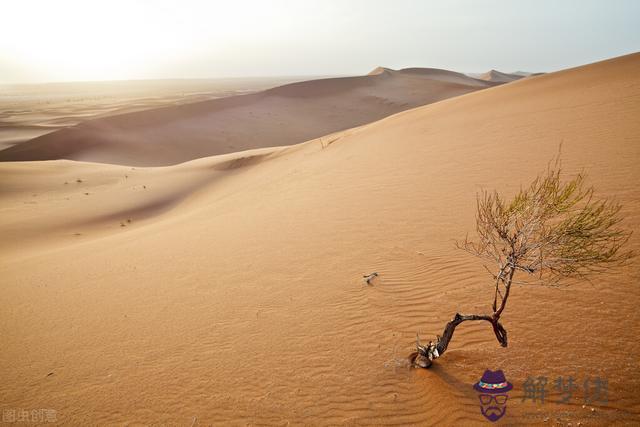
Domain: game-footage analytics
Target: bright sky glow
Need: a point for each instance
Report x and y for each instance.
(68, 40)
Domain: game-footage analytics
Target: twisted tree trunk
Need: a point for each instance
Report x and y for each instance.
(427, 353)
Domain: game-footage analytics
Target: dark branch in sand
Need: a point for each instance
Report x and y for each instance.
(368, 278)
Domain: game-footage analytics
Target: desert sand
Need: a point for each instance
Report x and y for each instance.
(31, 110)
(284, 115)
(228, 289)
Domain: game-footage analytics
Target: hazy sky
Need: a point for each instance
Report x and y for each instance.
(51, 40)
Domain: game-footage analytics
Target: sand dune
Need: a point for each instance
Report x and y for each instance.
(499, 77)
(31, 110)
(283, 115)
(235, 295)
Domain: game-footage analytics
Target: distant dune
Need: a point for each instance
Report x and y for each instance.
(526, 73)
(31, 110)
(229, 288)
(283, 115)
(499, 77)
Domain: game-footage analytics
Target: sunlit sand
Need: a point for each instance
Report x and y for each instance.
(223, 284)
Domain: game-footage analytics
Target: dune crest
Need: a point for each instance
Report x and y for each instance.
(500, 77)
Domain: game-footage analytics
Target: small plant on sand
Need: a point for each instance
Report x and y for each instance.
(548, 231)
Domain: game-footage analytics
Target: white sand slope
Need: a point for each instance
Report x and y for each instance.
(235, 295)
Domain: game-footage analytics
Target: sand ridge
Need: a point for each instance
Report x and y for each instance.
(31, 110)
(284, 115)
(499, 77)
